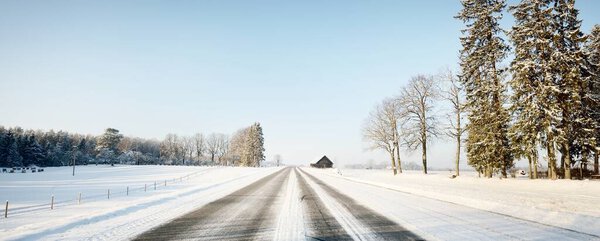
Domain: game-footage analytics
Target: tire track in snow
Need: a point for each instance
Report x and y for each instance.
(458, 219)
(290, 225)
(319, 223)
(360, 222)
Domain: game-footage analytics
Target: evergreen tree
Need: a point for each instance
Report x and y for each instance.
(575, 127)
(13, 158)
(258, 144)
(592, 71)
(488, 147)
(253, 153)
(530, 81)
(33, 152)
(107, 144)
(82, 155)
(3, 147)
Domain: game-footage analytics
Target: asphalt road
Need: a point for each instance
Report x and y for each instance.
(251, 213)
(362, 222)
(293, 204)
(247, 214)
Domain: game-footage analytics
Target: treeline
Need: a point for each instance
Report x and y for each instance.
(543, 107)
(20, 147)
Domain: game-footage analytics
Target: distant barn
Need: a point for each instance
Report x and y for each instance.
(323, 163)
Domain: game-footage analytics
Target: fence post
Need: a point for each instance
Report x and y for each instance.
(127, 191)
(52, 203)
(6, 210)
(154, 185)
(145, 185)
(108, 194)
(165, 183)
(79, 199)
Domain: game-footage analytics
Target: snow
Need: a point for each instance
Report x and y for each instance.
(290, 225)
(573, 205)
(120, 217)
(432, 206)
(343, 216)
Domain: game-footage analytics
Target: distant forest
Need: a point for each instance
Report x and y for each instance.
(19, 147)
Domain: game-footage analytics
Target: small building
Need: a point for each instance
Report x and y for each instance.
(324, 162)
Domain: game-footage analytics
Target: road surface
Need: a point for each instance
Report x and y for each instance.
(297, 204)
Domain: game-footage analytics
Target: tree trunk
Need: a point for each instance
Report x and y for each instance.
(397, 146)
(562, 161)
(457, 153)
(398, 158)
(393, 162)
(424, 144)
(424, 156)
(581, 167)
(458, 134)
(534, 157)
(551, 158)
(567, 162)
(530, 159)
(596, 166)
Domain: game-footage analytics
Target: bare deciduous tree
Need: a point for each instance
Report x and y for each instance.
(454, 93)
(381, 130)
(199, 146)
(419, 122)
(222, 148)
(212, 146)
(170, 149)
(187, 146)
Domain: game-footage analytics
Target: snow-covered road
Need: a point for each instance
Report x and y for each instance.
(306, 204)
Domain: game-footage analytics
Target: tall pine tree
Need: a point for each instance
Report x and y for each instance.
(575, 127)
(253, 152)
(488, 147)
(13, 158)
(592, 71)
(532, 107)
(33, 152)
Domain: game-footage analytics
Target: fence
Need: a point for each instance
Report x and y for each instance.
(80, 198)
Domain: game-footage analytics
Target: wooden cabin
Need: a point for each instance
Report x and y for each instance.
(324, 162)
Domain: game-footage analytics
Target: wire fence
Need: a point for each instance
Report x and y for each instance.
(79, 198)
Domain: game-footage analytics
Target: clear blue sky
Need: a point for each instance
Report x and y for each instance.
(309, 71)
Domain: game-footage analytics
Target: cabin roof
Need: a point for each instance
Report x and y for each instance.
(324, 160)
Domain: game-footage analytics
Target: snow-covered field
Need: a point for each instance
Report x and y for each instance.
(563, 203)
(99, 218)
